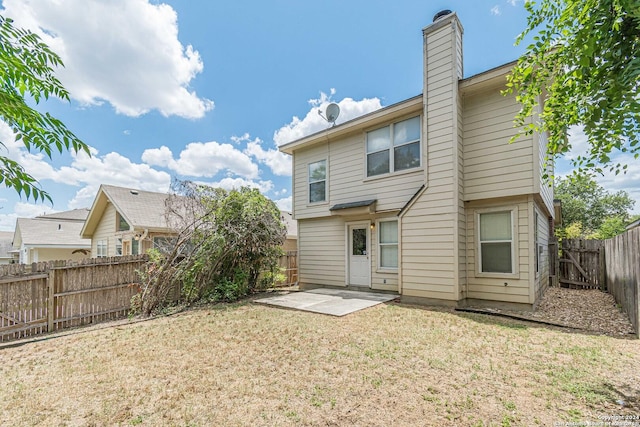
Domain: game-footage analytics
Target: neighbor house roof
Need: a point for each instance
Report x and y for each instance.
(141, 209)
(74, 215)
(43, 232)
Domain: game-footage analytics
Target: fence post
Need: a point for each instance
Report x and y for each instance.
(602, 280)
(51, 280)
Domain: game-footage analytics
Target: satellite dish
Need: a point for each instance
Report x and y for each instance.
(331, 114)
(333, 111)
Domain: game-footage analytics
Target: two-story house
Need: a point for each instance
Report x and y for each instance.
(426, 197)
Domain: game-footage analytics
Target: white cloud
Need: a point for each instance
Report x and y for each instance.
(84, 171)
(279, 163)
(313, 122)
(629, 182)
(125, 52)
(23, 210)
(495, 10)
(285, 204)
(203, 159)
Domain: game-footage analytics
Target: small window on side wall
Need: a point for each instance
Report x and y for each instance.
(496, 242)
(388, 244)
(318, 181)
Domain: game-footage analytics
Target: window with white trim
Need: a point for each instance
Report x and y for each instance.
(118, 246)
(394, 148)
(496, 242)
(101, 249)
(318, 181)
(388, 244)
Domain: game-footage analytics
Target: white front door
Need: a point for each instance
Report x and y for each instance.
(358, 255)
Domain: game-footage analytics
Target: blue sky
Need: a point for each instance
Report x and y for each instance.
(206, 90)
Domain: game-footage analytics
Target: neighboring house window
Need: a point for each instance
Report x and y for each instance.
(388, 244)
(134, 246)
(318, 181)
(101, 248)
(394, 148)
(164, 244)
(122, 224)
(496, 242)
(118, 246)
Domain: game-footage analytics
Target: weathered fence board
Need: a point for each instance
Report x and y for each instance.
(46, 297)
(289, 266)
(622, 254)
(582, 264)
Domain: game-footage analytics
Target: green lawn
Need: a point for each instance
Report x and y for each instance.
(250, 364)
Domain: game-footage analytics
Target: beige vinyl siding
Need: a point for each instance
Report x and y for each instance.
(349, 183)
(546, 190)
(321, 251)
(301, 205)
(542, 276)
(459, 202)
(55, 254)
(492, 166)
(430, 226)
(346, 177)
(105, 231)
(518, 288)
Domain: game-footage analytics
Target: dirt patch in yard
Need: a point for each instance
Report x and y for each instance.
(585, 309)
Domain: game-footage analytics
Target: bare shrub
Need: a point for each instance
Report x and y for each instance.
(227, 246)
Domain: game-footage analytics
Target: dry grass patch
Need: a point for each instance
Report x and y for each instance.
(251, 364)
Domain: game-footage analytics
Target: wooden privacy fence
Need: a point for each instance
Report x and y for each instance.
(582, 264)
(46, 297)
(622, 254)
(289, 267)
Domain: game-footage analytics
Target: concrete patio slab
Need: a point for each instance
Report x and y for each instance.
(335, 302)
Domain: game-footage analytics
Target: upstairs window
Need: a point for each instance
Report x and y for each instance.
(318, 181)
(394, 148)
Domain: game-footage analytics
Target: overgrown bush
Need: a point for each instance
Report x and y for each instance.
(228, 246)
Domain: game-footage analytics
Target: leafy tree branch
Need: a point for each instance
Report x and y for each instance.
(27, 70)
(582, 68)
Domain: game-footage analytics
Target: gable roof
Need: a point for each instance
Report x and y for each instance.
(41, 232)
(74, 214)
(141, 209)
(493, 78)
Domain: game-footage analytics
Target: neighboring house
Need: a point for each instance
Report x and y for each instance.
(633, 225)
(51, 237)
(426, 197)
(291, 243)
(126, 221)
(7, 254)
